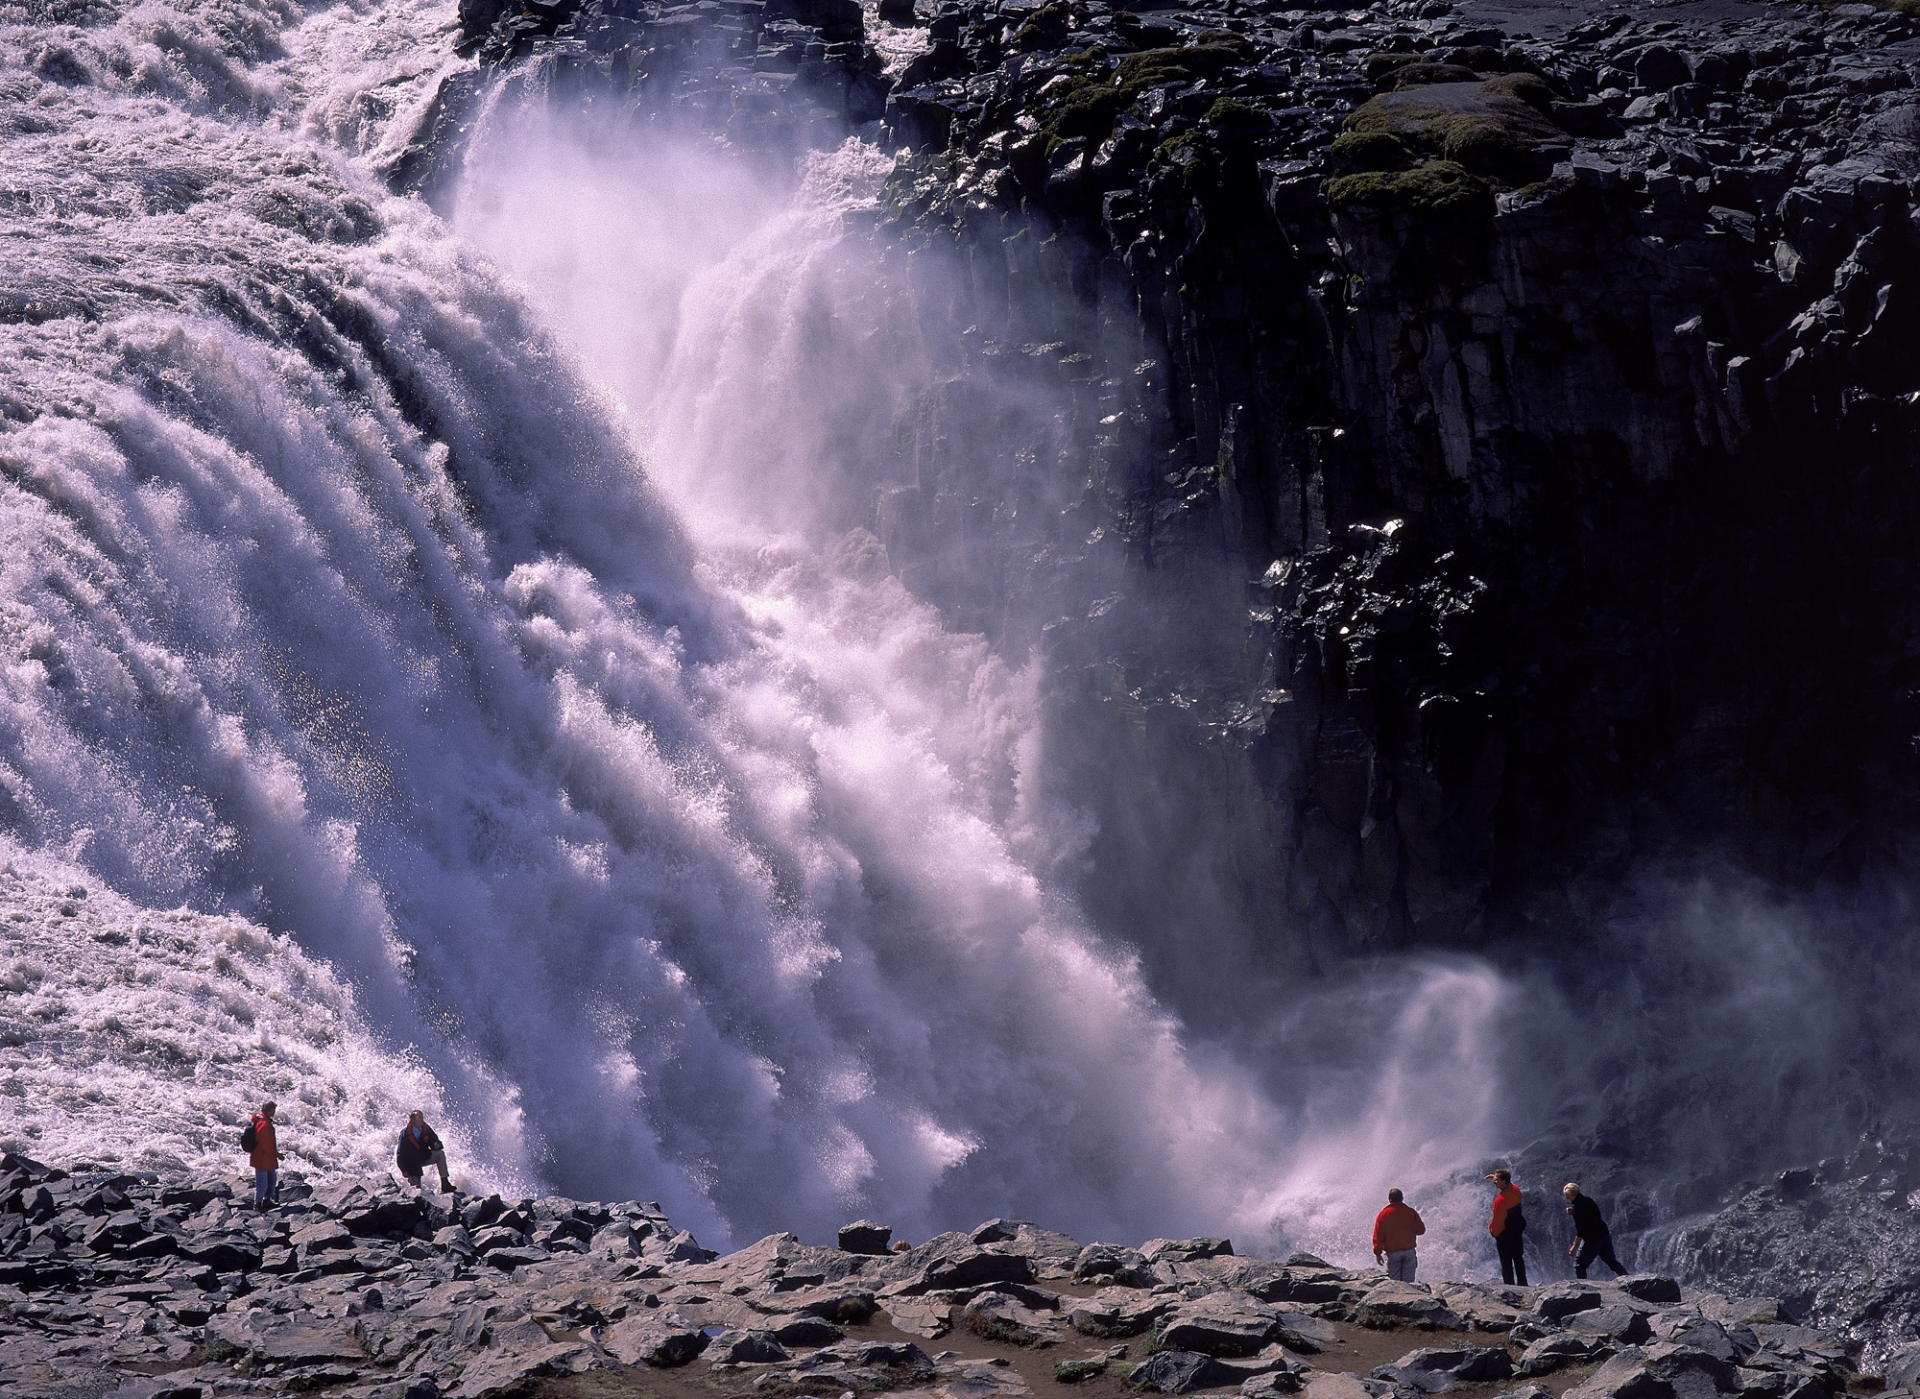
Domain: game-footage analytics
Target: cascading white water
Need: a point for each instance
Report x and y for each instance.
(693, 861)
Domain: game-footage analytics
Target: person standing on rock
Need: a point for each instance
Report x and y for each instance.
(264, 1156)
(1396, 1231)
(1590, 1235)
(419, 1148)
(1507, 1226)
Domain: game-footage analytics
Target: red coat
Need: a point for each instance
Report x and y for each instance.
(266, 1148)
(1396, 1227)
(1507, 1199)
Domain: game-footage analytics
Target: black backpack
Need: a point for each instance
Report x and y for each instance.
(249, 1138)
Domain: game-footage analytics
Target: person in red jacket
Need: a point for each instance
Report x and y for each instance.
(1396, 1231)
(265, 1159)
(1506, 1226)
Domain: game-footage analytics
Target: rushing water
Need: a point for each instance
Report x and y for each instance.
(430, 647)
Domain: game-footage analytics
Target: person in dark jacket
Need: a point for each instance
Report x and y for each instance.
(1506, 1226)
(1590, 1236)
(419, 1148)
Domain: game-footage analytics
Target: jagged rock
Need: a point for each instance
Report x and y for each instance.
(1220, 1325)
(864, 1236)
(1125, 1267)
(650, 1341)
(999, 1317)
(1557, 1352)
(747, 1348)
(1118, 1311)
(1650, 1287)
(1620, 1324)
(1562, 1300)
(1393, 1304)
(1180, 1372)
(1434, 1369)
(1184, 1250)
(1659, 1371)
(806, 1332)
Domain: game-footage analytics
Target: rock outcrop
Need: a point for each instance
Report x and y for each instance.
(1513, 426)
(145, 1288)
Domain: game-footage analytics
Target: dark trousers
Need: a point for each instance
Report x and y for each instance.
(1513, 1259)
(1601, 1248)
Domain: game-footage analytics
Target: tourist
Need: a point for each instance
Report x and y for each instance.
(419, 1148)
(1396, 1230)
(1590, 1235)
(1506, 1226)
(264, 1156)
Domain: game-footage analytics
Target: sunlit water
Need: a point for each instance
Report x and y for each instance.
(426, 648)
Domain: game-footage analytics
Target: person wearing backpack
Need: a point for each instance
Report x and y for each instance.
(1506, 1226)
(263, 1154)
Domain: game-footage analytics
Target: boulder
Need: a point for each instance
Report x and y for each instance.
(806, 1332)
(865, 1236)
(1301, 1331)
(995, 1316)
(1624, 1325)
(1123, 1267)
(1686, 1329)
(1117, 1311)
(1222, 1324)
(1551, 1353)
(1392, 1304)
(925, 1319)
(1564, 1299)
(1437, 1368)
(1184, 1250)
(1659, 1371)
(1180, 1372)
(1650, 1287)
(655, 1341)
(747, 1348)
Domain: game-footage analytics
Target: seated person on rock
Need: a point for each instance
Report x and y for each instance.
(419, 1148)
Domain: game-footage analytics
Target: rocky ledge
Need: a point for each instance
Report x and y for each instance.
(148, 1289)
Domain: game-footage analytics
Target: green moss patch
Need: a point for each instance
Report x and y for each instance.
(1087, 106)
(1490, 128)
(1372, 150)
(1434, 189)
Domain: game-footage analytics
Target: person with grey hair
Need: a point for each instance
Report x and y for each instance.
(1591, 1238)
(419, 1148)
(1396, 1234)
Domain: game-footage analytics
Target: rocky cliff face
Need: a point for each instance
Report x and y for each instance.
(1511, 429)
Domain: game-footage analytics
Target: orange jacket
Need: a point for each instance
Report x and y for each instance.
(1396, 1227)
(1507, 1199)
(266, 1148)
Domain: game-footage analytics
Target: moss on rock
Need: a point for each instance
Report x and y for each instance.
(1434, 189)
(1372, 150)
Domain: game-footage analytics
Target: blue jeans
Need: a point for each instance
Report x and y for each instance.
(1401, 1263)
(266, 1185)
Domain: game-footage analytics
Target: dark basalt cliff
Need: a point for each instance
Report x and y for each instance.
(1488, 453)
